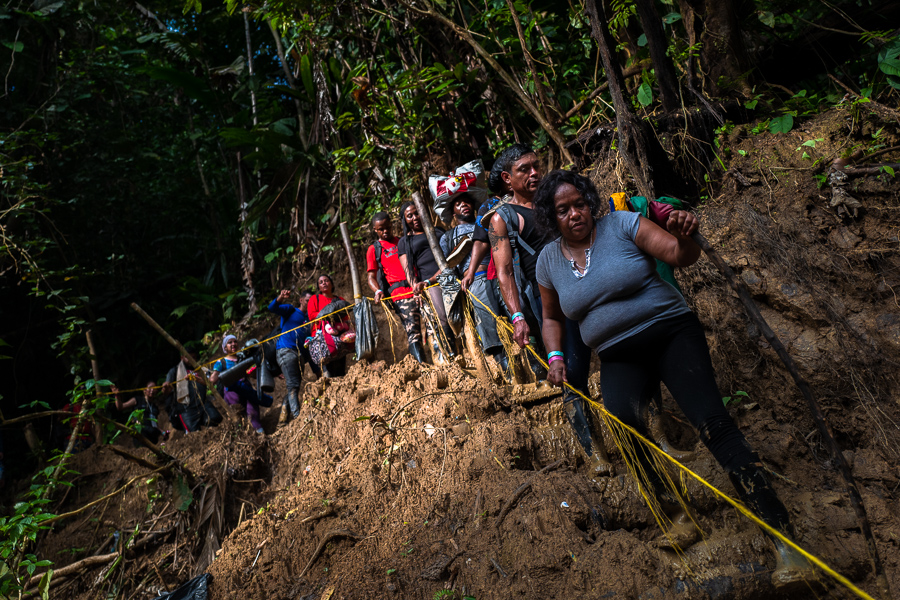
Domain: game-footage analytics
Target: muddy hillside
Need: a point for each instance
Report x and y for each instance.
(408, 481)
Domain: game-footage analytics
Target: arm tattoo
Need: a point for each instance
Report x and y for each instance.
(495, 240)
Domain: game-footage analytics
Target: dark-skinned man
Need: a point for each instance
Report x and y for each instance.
(463, 210)
(516, 244)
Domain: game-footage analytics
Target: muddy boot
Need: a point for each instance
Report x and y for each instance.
(417, 351)
(658, 435)
(437, 356)
(540, 373)
(284, 417)
(792, 571)
(503, 362)
(598, 461)
(294, 402)
(682, 531)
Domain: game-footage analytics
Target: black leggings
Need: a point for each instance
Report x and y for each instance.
(673, 351)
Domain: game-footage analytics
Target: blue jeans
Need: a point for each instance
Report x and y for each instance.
(487, 291)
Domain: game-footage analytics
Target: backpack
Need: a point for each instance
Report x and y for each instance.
(657, 211)
(386, 288)
(528, 293)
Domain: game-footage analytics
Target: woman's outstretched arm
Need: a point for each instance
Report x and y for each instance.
(675, 246)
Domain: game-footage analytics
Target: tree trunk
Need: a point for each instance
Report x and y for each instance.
(292, 83)
(551, 111)
(633, 140)
(248, 264)
(662, 63)
(723, 57)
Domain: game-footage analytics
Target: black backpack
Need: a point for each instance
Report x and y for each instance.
(386, 288)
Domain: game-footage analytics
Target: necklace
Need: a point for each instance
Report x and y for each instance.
(580, 270)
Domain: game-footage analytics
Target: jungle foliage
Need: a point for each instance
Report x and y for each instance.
(195, 157)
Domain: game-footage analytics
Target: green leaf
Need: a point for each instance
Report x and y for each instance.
(645, 94)
(888, 170)
(642, 40)
(194, 87)
(890, 66)
(782, 124)
(182, 494)
(44, 584)
(672, 17)
(306, 76)
(767, 18)
(15, 46)
(362, 418)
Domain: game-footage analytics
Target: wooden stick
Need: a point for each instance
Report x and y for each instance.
(328, 537)
(824, 428)
(629, 72)
(97, 559)
(521, 490)
(219, 401)
(354, 273)
(472, 346)
(133, 458)
(157, 450)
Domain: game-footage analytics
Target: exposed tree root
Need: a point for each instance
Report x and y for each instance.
(521, 490)
(335, 533)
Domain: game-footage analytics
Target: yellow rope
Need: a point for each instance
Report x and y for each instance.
(614, 423)
(390, 320)
(623, 435)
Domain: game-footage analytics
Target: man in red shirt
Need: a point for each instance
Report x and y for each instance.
(388, 280)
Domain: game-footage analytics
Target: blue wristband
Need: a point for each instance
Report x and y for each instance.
(555, 353)
(517, 317)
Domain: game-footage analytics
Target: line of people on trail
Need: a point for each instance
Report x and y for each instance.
(534, 248)
(323, 345)
(528, 254)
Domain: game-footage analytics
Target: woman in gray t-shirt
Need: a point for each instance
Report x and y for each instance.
(601, 272)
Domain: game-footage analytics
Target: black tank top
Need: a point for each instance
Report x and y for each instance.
(533, 237)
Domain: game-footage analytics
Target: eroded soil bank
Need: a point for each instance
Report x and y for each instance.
(411, 500)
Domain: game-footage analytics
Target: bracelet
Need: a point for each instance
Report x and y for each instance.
(555, 353)
(517, 317)
(554, 358)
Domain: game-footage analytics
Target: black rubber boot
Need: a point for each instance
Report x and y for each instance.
(451, 341)
(293, 402)
(792, 571)
(540, 373)
(417, 351)
(598, 461)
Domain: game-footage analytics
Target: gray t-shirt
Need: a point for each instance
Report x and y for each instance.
(620, 294)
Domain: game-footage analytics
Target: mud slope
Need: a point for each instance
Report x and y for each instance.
(395, 481)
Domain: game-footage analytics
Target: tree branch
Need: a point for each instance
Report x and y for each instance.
(106, 497)
(519, 93)
(629, 72)
(219, 401)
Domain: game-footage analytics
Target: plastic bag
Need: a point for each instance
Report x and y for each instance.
(453, 300)
(366, 330)
(195, 589)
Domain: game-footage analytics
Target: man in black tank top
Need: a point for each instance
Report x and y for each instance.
(529, 233)
(518, 171)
